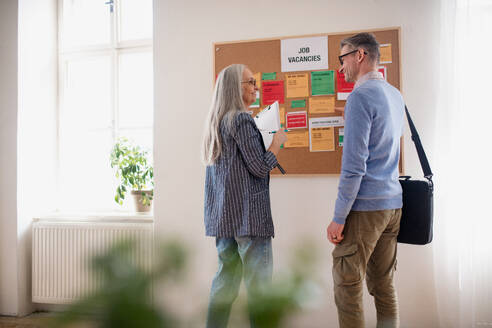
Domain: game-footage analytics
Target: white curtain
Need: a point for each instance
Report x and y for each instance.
(463, 165)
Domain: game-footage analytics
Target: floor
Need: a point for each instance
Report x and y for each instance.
(34, 320)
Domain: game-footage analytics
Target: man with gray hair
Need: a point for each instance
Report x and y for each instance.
(368, 207)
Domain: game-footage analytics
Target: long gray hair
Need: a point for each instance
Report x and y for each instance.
(227, 102)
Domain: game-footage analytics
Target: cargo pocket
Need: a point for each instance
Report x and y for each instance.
(346, 265)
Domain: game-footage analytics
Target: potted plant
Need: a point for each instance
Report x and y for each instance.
(134, 172)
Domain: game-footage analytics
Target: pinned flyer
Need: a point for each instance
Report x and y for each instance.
(340, 137)
(272, 91)
(322, 122)
(322, 83)
(343, 88)
(282, 115)
(297, 85)
(304, 54)
(268, 76)
(321, 105)
(296, 120)
(382, 70)
(297, 139)
(385, 53)
(322, 139)
(257, 77)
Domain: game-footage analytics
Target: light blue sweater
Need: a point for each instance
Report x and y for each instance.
(373, 127)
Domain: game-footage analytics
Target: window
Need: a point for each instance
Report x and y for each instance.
(106, 91)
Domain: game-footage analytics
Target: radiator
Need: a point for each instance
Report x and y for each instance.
(61, 250)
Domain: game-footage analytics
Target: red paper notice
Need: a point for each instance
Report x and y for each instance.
(296, 120)
(343, 86)
(382, 70)
(272, 91)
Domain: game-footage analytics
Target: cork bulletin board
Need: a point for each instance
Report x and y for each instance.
(263, 57)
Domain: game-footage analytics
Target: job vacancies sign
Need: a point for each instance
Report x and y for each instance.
(304, 54)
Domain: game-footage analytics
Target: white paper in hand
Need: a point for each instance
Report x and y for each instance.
(268, 122)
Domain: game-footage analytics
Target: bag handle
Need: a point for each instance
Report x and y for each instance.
(424, 163)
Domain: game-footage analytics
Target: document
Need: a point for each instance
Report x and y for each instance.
(296, 120)
(343, 88)
(321, 122)
(322, 139)
(297, 139)
(304, 54)
(269, 76)
(385, 52)
(282, 116)
(322, 83)
(268, 122)
(321, 105)
(257, 77)
(298, 103)
(272, 91)
(382, 70)
(340, 137)
(297, 85)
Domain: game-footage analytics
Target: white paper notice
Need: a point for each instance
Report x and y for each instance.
(304, 54)
(343, 95)
(322, 122)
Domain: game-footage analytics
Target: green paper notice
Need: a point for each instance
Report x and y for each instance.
(298, 103)
(269, 76)
(322, 83)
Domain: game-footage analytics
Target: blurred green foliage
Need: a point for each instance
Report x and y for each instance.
(125, 298)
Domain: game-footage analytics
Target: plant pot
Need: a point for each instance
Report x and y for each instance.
(137, 197)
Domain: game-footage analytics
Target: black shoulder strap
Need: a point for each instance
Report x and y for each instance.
(418, 145)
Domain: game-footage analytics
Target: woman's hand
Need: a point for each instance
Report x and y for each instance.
(279, 138)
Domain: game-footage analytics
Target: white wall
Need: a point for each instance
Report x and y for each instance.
(27, 128)
(36, 128)
(302, 206)
(8, 157)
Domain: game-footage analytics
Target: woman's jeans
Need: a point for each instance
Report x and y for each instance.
(238, 256)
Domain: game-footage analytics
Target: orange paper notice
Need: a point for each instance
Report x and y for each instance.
(319, 105)
(297, 139)
(297, 85)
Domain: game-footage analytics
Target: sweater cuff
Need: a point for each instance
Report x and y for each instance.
(270, 160)
(339, 220)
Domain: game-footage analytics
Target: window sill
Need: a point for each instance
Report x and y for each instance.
(106, 217)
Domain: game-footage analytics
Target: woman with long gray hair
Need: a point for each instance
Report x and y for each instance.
(237, 195)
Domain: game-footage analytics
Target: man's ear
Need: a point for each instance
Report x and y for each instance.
(360, 55)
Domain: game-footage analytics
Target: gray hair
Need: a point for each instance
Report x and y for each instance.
(367, 41)
(227, 103)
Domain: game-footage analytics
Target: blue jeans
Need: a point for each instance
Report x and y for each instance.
(248, 256)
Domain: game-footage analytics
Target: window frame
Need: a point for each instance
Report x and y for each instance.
(114, 49)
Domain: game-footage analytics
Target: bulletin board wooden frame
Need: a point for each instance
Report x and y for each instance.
(263, 55)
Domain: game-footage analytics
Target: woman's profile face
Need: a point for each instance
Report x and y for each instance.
(248, 87)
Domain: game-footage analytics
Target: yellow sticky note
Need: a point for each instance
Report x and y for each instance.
(297, 85)
(297, 139)
(321, 105)
(257, 77)
(281, 111)
(385, 51)
(323, 139)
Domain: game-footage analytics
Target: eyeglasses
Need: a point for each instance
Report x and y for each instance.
(348, 53)
(252, 82)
